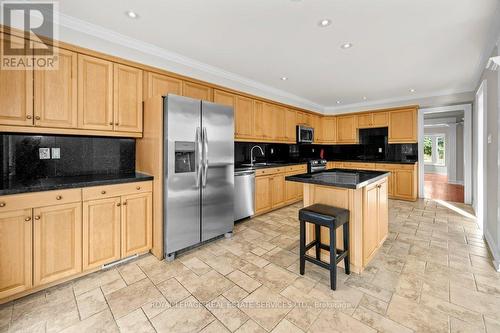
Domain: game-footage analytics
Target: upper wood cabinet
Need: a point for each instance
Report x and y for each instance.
(259, 120)
(290, 126)
(329, 129)
(16, 93)
(303, 118)
(127, 98)
(346, 129)
(56, 93)
(243, 117)
(403, 126)
(57, 249)
(317, 124)
(197, 91)
(278, 123)
(270, 121)
(373, 119)
(95, 93)
(158, 84)
(136, 223)
(101, 232)
(15, 251)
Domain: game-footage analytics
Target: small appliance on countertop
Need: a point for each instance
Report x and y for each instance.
(316, 165)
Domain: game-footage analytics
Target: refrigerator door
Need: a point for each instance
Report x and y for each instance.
(183, 154)
(217, 211)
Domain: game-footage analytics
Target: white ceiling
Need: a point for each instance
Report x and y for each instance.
(433, 46)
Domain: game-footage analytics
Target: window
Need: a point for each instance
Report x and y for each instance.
(435, 149)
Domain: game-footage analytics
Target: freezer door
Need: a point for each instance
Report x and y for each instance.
(218, 171)
(183, 153)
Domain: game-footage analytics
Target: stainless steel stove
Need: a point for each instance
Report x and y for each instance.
(316, 165)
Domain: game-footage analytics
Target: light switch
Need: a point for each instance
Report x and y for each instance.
(489, 138)
(380, 150)
(44, 153)
(56, 153)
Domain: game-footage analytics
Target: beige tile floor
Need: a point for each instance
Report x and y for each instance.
(433, 274)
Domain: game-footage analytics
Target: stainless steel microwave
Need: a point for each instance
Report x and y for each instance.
(305, 134)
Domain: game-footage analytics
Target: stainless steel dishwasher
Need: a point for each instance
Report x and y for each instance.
(244, 194)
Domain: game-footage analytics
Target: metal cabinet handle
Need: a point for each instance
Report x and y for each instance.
(37, 217)
(111, 123)
(138, 188)
(59, 197)
(205, 158)
(103, 192)
(28, 117)
(27, 219)
(118, 204)
(117, 124)
(125, 203)
(37, 117)
(2, 204)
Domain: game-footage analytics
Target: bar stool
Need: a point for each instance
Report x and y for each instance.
(332, 218)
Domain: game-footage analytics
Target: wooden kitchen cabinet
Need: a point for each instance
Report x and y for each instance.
(57, 242)
(375, 223)
(55, 93)
(136, 224)
(127, 98)
(263, 194)
(404, 184)
(278, 190)
(403, 126)
(258, 125)
(270, 122)
(303, 118)
(318, 128)
(290, 126)
(158, 84)
(346, 130)
(243, 117)
(329, 129)
(16, 93)
(15, 251)
(278, 123)
(373, 120)
(95, 93)
(197, 91)
(101, 232)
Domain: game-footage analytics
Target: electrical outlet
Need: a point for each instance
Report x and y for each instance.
(379, 150)
(272, 151)
(56, 153)
(44, 153)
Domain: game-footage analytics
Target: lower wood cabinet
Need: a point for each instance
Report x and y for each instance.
(375, 228)
(57, 242)
(278, 190)
(263, 194)
(51, 236)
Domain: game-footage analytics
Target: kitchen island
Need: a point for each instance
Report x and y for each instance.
(365, 194)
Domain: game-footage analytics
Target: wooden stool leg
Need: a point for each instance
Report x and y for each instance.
(347, 267)
(302, 246)
(333, 259)
(317, 237)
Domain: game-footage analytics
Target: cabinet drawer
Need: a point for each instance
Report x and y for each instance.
(386, 166)
(107, 191)
(39, 199)
(269, 171)
(356, 165)
(294, 168)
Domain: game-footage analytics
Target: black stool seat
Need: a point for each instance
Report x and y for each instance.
(324, 215)
(332, 218)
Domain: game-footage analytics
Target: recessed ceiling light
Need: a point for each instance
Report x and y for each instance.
(338, 102)
(131, 14)
(346, 46)
(412, 90)
(324, 22)
(365, 98)
(284, 78)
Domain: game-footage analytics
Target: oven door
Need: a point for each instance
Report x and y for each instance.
(305, 134)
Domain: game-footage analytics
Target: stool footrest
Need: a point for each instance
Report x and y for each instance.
(313, 244)
(341, 254)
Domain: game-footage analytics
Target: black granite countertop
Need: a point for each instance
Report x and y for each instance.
(15, 186)
(266, 166)
(345, 178)
(374, 161)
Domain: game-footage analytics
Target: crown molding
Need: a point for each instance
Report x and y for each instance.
(111, 36)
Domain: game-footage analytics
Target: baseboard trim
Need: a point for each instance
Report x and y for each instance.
(457, 182)
(495, 251)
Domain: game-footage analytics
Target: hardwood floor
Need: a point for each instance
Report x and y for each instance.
(436, 187)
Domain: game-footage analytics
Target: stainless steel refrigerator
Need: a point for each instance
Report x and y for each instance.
(199, 172)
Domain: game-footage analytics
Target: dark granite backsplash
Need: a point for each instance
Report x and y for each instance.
(80, 155)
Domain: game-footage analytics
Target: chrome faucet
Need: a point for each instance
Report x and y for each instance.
(252, 160)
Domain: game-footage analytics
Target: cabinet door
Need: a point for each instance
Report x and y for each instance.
(197, 91)
(403, 184)
(346, 129)
(290, 126)
(364, 120)
(127, 98)
(243, 117)
(268, 121)
(258, 127)
(57, 246)
(136, 223)
(329, 129)
(383, 212)
(263, 194)
(291, 190)
(15, 252)
(303, 118)
(95, 93)
(278, 190)
(162, 85)
(403, 126)
(370, 222)
(16, 93)
(318, 128)
(279, 123)
(380, 119)
(56, 93)
(101, 232)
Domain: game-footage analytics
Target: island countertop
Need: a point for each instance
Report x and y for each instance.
(345, 178)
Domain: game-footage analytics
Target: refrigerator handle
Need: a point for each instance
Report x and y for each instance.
(198, 156)
(205, 157)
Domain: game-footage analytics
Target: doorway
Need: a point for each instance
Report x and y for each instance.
(480, 128)
(445, 154)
